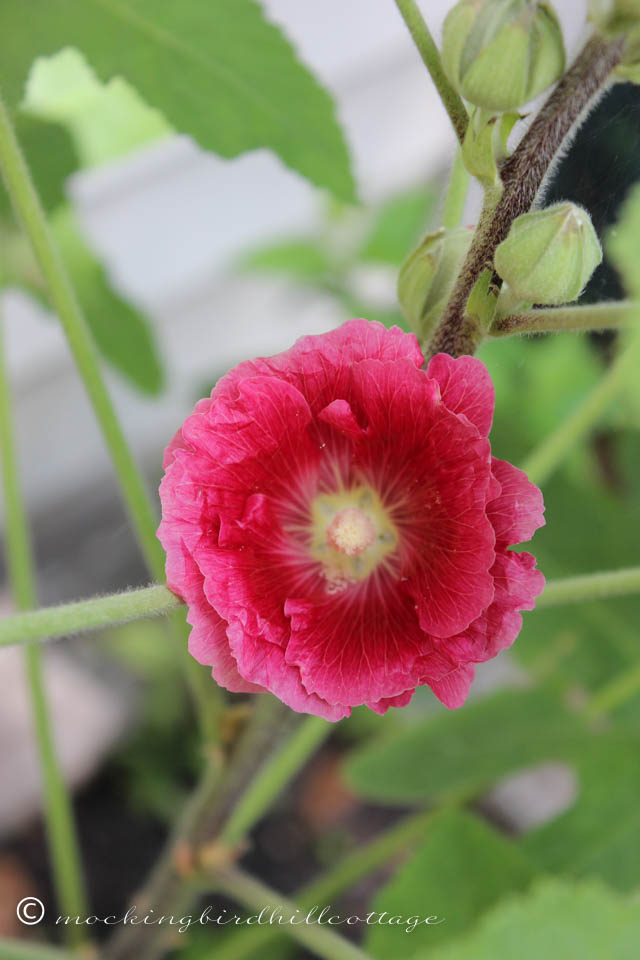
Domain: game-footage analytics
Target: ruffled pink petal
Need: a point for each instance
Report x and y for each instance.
(517, 584)
(466, 388)
(340, 416)
(265, 664)
(518, 511)
(453, 689)
(401, 700)
(208, 642)
(178, 442)
(319, 366)
(360, 651)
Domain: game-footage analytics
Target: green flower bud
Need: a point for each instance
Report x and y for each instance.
(428, 274)
(614, 15)
(499, 54)
(549, 255)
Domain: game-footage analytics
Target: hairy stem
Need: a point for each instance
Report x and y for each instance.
(456, 195)
(591, 586)
(321, 940)
(68, 618)
(522, 176)
(421, 35)
(557, 445)
(596, 316)
(58, 809)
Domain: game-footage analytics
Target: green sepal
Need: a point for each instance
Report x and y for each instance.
(485, 144)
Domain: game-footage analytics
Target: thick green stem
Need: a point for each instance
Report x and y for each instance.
(85, 615)
(267, 784)
(410, 13)
(30, 213)
(321, 940)
(596, 316)
(456, 193)
(355, 866)
(591, 586)
(557, 445)
(61, 831)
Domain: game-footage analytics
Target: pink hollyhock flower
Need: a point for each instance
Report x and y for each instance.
(336, 523)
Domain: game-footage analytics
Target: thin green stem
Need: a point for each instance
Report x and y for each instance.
(591, 586)
(143, 516)
(280, 768)
(558, 444)
(456, 195)
(426, 46)
(596, 316)
(84, 615)
(61, 831)
(356, 865)
(321, 940)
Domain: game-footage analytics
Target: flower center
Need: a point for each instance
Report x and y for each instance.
(352, 534)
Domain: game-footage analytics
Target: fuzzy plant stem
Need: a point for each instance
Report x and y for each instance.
(426, 46)
(522, 176)
(29, 211)
(58, 810)
(593, 316)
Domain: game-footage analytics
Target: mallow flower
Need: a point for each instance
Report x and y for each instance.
(339, 530)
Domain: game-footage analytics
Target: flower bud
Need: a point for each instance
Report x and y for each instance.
(549, 255)
(614, 15)
(428, 274)
(499, 54)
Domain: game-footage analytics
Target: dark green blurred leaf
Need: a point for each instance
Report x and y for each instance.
(466, 750)
(556, 921)
(398, 226)
(461, 868)
(600, 834)
(299, 259)
(218, 71)
(49, 151)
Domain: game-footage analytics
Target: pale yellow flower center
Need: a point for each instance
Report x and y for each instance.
(352, 534)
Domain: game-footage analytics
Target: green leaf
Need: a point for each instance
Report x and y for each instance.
(622, 242)
(600, 834)
(106, 120)
(461, 868)
(217, 70)
(464, 751)
(51, 156)
(121, 333)
(398, 225)
(556, 921)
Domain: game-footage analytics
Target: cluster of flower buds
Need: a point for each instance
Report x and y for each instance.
(500, 54)
(427, 277)
(549, 255)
